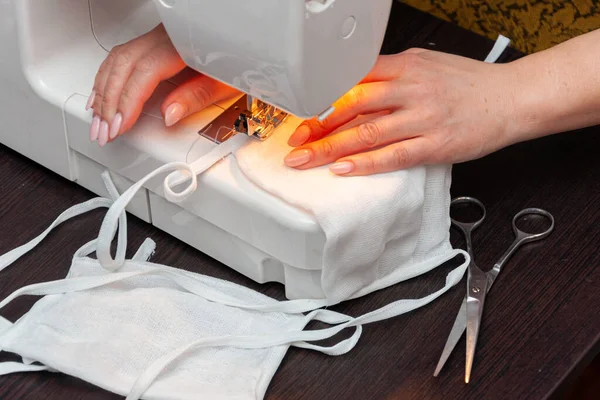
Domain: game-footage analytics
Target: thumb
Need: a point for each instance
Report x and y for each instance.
(193, 96)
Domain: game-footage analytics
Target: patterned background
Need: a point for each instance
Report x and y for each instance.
(532, 25)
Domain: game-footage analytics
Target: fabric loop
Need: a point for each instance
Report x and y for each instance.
(198, 167)
(110, 222)
(122, 235)
(183, 173)
(168, 184)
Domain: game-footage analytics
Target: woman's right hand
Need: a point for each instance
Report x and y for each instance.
(130, 74)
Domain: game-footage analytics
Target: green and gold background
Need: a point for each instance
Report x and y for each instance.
(532, 25)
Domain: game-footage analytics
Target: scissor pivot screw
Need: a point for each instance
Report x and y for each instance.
(475, 289)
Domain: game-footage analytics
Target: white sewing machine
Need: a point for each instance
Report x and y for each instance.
(297, 55)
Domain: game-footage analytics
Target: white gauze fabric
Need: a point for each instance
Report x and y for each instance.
(108, 336)
(379, 229)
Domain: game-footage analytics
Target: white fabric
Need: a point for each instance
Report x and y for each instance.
(108, 336)
(501, 44)
(379, 229)
(147, 330)
(164, 333)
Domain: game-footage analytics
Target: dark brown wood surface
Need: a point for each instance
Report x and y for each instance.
(541, 325)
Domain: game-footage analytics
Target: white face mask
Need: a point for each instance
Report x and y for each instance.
(147, 330)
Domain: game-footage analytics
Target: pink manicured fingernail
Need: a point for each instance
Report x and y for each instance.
(94, 128)
(103, 134)
(299, 137)
(115, 127)
(173, 114)
(297, 158)
(90, 101)
(342, 167)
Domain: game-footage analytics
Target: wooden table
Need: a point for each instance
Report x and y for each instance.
(541, 327)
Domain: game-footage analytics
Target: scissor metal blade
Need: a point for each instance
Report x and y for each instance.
(476, 293)
(460, 323)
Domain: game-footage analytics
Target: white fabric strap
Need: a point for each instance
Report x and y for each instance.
(72, 212)
(145, 251)
(501, 44)
(8, 258)
(13, 255)
(86, 249)
(110, 222)
(122, 239)
(11, 367)
(183, 172)
(4, 325)
(200, 165)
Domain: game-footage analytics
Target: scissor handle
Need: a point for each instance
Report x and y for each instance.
(526, 237)
(520, 239)
(468, 227)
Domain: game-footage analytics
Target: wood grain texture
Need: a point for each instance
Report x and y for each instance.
(541, 325)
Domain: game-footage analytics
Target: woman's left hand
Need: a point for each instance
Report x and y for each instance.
(130, 74)
(437, 108)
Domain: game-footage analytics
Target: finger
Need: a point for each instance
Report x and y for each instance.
(100, 81)
(127, 53)
(124, 61)
(362, 99)
(154, 67)
(389, 67)
(397, 156)
(193, 96)
(366, 136)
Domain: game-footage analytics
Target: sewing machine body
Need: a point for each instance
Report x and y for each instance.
(51, 52)
(298, 55)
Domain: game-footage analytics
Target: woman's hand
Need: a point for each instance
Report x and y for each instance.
(437, 108)
(129, 76)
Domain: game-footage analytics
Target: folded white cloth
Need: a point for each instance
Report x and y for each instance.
(379, 229)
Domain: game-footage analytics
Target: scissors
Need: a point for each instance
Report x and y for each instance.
(479, 283)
